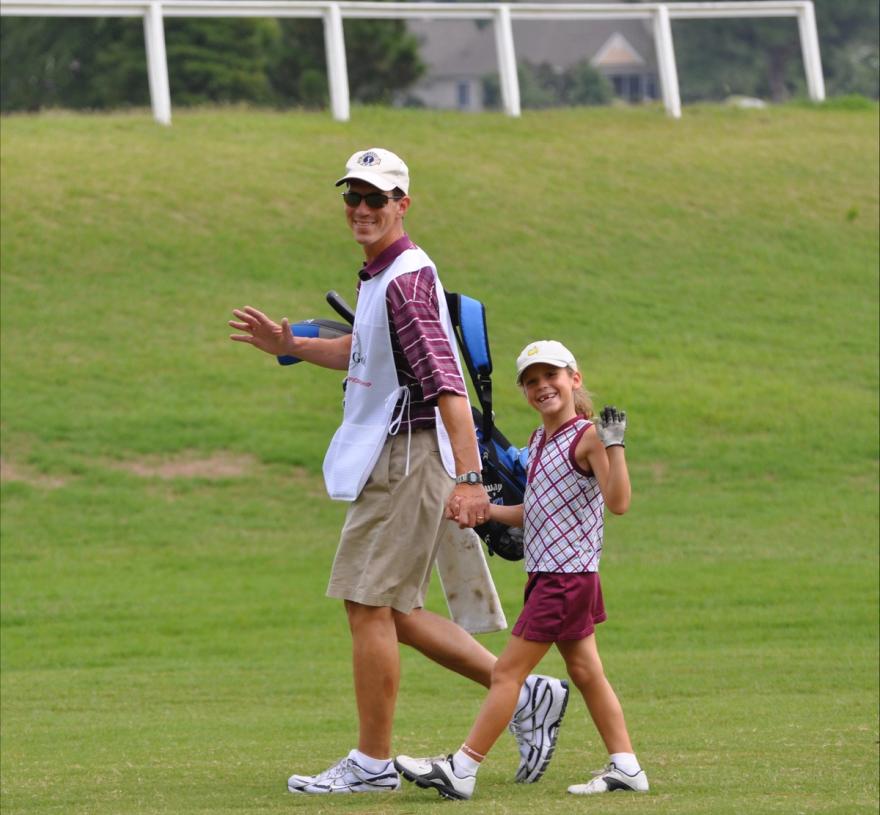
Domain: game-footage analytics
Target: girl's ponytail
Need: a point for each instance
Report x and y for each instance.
(583, 402)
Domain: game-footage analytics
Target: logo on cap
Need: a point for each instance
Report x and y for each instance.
(369, 159)
(532, 351)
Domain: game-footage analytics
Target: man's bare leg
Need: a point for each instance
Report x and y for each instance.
(446, 643)
(376, 668)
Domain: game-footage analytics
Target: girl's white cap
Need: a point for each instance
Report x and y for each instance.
(548, 351)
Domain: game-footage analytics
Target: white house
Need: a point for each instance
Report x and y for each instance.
(460, 53)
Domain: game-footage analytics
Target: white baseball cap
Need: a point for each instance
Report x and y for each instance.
(548, 351)
(381, 168)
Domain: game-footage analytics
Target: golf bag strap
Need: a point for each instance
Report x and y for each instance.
(469, 322)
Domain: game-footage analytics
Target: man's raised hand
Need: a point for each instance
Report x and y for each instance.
(262, 333)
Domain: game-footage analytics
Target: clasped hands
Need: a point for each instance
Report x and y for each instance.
(468, 505)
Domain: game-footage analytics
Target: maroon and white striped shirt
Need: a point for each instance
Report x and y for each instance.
(564, 511)
(423, 356)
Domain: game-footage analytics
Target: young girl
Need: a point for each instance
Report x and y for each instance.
(575, 469)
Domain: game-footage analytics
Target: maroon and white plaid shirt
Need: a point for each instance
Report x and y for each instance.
(423, 356)
(564, 511)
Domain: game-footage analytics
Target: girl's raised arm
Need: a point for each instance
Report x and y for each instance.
(601, 450)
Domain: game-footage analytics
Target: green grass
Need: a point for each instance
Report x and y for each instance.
(166, 645)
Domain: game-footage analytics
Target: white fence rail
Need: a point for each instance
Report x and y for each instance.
(501, 15)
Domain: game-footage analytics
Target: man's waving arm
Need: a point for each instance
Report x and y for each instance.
(276, 339)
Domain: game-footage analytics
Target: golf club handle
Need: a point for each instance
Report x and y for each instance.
(339, 305)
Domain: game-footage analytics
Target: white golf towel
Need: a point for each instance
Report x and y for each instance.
(467, 582)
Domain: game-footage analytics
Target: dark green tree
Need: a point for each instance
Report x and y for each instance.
(589, 86)
(101, 63)
(849, 36)
(382, 58)
(543, 86)
(762, 57)
(47, 62)
(220, 60)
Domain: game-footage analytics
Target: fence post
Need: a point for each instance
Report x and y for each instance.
(157, 64)
(810, 50)
(666, 61)
(337, 71)
(506, 61)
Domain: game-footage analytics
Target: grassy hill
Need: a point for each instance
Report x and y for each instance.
(166, 646)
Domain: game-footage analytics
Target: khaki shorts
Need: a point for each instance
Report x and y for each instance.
(391, 533)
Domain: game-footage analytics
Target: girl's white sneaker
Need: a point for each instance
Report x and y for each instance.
(612, 779)
(439, 774)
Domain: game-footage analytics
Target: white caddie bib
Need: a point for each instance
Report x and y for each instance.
(372, 390)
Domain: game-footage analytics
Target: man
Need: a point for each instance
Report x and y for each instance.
(406, 457)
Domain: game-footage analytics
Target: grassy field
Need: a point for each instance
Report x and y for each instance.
(166, 645)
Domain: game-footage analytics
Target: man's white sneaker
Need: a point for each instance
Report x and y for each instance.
(536, 725)
(439, 774)
(296, 782)
(612, 779)
(345, 776)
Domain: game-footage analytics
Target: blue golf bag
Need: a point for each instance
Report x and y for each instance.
(504, 465)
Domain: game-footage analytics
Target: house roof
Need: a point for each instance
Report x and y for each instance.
(617, 50)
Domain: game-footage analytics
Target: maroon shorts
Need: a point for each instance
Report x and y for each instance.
(560, 607)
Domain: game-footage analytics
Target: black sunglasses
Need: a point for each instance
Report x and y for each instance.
(375, 200)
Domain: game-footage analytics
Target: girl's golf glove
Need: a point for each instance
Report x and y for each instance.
(611, 426)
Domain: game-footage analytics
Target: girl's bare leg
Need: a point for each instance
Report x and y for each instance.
(585, 669)
(513, 666)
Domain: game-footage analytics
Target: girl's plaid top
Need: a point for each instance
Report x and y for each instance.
(563, 506)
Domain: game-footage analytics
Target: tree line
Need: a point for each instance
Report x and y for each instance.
(100, 63)
(762, 57)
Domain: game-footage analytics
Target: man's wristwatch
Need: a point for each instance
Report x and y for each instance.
(472, 477)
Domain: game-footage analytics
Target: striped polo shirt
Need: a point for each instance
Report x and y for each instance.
(563, 505)
(423, 356)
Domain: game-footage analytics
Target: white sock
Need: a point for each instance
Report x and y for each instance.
(370, 764)
(626, 762)
(463, 761)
